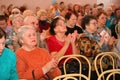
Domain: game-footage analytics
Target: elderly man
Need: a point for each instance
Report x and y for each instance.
(33, 21)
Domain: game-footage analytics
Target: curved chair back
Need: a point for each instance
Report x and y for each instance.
(70, 77)
(79, 58)
(111, 72)
(98, 62)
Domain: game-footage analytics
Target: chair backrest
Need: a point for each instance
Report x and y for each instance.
(99, 61)
(117, 29)
(78, 58)
(110, 73)
(71, 77)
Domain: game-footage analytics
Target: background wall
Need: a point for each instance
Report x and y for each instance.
(46, 3)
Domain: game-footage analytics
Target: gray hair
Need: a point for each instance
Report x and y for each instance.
(22, 30)
(15, 17)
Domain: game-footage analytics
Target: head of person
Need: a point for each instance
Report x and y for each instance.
(62, 4)
(17, 21)
(42, 15)
(101, 17)
(28, 13)
(15, 11)
(32, 21)
(71, 19)
(27, 36)
(109, 11)
(3, 22)
(76, 8)
(87, 8)
(58, 25)
(117, 13)
(94, 11)
(2, 40)
(89, 23)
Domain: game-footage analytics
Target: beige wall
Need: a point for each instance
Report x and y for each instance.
(43, 3)
(46, 3)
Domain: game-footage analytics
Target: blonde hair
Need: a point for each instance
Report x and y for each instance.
(40, 12)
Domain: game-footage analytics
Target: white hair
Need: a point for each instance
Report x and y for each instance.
(23, 29)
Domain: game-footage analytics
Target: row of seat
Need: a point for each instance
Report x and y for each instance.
(113, 58)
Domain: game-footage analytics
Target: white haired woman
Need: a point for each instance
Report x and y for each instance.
(32, 59)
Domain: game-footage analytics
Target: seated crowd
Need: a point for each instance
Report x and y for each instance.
(32, 42)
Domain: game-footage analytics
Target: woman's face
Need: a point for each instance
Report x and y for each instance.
(60, 26)
(92, 26)
(72, 21)
(102, 19)
(29, 38)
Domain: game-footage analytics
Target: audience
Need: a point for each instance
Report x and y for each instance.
(58, 29)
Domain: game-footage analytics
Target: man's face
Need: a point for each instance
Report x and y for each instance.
(2, 44)
(3, 24)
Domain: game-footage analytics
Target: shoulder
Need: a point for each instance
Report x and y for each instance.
(9, 53)
(51, 38)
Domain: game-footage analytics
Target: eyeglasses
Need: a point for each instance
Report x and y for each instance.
(61, 24)
(15, 13)
(95, 23)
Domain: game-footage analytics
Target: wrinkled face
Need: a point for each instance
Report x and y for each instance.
(29, 38)
(18, 22)
(3, 24)
(92, 26)
(60, 26)
(2, 44)
(72, 21)
(102, 19)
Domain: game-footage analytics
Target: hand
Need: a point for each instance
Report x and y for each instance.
(68, 39)
(50, 65)
(74, 36)
(43, 35)
(111, 41)
(102, 39)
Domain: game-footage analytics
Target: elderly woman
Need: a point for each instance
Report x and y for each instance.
(17, 22)
(59, 44)
(7, 60)
(32, 61)
(104, 31)
(89, 42)
(43, 24)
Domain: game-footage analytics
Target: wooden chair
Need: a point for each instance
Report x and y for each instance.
(117, 29)
(98, 62)
(110, 73)
(77, 58)
(70, 77)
